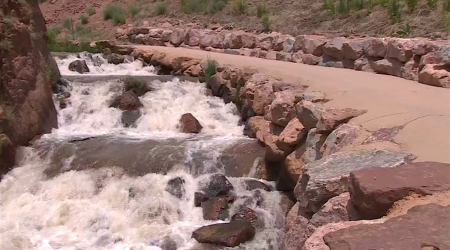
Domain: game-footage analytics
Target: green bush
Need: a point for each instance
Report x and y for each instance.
(446, 5)
(394, 11)
(5, 45)
(161, 9)
(240, 7)
(90, 11)
(210, 70)
(405, 30)
(360, 4)
(202, 6)
(341, 7)
(84, 19)
(261, 10)
(266, 23)
(412, 4)
(329, 5)
(52, 34)
(114, 13)
(67, 23)
(134, 10)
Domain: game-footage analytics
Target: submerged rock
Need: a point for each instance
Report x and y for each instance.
(175, 187)
(79, 66)
(255, 184)
(218, 185)
(190, 124)
(226, 234)
(127, 101)
(129, 118)
(248, 215)
(115, 59)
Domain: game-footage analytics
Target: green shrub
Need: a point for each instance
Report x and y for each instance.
(240, 7)
(202, 6)
(341, 7)
(41, 1)
(138, 86)
(394, 11)
(405, 30)
(161, 9)
(329, 5)
(115, 13)
(90, 11)
(210, 70)
(359, 5)
(261, 10)
(134, 10)
(5, 45)
(52, 34)
(412, 4)
(9, 21)
(266, 23)
(446, 5)
(84, 19)
(67, 23)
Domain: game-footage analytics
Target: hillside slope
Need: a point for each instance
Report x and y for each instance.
(429, 18)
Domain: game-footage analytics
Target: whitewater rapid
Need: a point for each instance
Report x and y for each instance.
(104, 207)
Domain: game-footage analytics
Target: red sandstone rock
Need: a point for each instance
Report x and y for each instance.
(335, 48)
(189, 124)
(331, 118)
(435, 75)
(310, 44)
(375, 190)
(400, 49)
(376, 47)
(282, 108)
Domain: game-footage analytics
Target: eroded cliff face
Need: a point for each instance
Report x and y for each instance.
(27, 74)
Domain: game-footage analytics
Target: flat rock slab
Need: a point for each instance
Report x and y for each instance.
(328, 177)
(226, 234)
(423, 227)
(375, 190)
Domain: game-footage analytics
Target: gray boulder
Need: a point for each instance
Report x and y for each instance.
(329, 176)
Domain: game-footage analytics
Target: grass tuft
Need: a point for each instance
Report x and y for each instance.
(161, 9)
(134, 10)
(240, 7)
(202, 6)
(210, 70)
(266, 23)
(90, 11)
(67, 23)
(412, 4)
(394, 11)
(84, 19)
(261, 10)
(114, 13)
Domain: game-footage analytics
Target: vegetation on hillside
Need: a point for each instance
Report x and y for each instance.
(344, 17)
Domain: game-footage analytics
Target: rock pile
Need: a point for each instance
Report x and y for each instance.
(413, 59)
(339, 172)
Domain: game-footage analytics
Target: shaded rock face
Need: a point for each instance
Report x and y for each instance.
(218, 185)
(115, 59)
(190, 124)
(314, 142)
(79, 66)
(329, 176)
(226, 234)
(255, 184)
(375, 190)
(27, 75)
(423, 226)
(130, 117)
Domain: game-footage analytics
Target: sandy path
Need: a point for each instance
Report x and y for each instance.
(391, 101)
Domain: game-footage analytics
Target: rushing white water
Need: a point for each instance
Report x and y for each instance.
(98, 65)
(106, 208)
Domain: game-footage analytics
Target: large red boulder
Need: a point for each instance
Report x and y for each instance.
(374, 190)
(190, 124)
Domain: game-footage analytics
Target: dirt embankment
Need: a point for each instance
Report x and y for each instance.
(363, 17)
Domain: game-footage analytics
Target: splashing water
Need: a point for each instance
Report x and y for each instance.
(98, 65)
(103, 206)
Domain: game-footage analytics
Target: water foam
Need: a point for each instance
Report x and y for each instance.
(98, 65)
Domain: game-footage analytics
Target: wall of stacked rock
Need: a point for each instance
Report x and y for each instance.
(421, 60)
(340, 174)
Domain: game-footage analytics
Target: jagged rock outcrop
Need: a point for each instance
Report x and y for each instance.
(27, 75)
